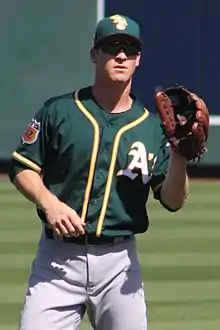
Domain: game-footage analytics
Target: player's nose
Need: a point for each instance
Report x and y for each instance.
(121, 55)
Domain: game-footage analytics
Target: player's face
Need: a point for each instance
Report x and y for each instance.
(116, 58)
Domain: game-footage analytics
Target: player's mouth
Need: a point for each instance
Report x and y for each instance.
(120, 67)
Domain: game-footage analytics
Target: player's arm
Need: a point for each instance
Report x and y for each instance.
(29, 183)
(28, 161)
(60, 217)
(169, 180)
(174, 189)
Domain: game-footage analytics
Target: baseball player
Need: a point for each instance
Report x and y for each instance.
(88, 160)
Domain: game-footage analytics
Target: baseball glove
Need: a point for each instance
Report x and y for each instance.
(184, 119)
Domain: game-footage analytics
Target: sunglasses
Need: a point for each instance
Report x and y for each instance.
(130, 48)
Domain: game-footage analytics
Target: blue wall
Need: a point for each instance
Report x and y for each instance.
(181, 45)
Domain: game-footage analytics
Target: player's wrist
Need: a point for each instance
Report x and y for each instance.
(46, 200)
(176, 157)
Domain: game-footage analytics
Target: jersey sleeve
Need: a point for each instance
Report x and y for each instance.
(32, 149)
(160, 168)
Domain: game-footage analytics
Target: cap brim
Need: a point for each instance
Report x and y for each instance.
(98, 41)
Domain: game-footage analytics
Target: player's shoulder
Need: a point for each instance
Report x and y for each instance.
(152, 119)
(152, 123)
(59, 100)
(65, 102)
(55, 109)
(60, 106)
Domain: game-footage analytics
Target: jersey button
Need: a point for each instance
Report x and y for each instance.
(89, 227)
(100, 176)
(109, 124)
(95, 201)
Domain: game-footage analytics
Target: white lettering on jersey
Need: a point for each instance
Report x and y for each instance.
(139, 161)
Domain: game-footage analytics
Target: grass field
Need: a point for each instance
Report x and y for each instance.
(180, 259)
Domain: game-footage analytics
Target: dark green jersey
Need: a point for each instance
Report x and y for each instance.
(100, 164)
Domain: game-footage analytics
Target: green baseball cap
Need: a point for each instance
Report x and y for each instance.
(117, 24)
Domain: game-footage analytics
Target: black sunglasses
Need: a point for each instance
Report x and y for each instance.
(130, 48)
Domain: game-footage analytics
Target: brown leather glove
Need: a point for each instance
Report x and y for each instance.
(184, 119)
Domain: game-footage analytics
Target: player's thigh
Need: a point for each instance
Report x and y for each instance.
(122, 305)
(41, 310)
(55, 297)
(35, 317)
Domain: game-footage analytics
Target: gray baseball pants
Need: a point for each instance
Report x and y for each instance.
(67, 279)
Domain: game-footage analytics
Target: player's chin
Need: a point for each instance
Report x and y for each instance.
(120, 79)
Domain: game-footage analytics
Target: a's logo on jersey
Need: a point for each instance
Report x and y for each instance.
(119, 21)
(139, 163)
(31, 133)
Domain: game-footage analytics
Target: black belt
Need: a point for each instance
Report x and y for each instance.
(89, 239)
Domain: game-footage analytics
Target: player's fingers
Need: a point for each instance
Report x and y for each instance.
(71, 230)
(61, 228)
(79, 228)
(56, 231)
(77, 223)
(75, 234)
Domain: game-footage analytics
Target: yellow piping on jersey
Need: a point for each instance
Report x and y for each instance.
(112, 167)
(23, 160)
(94, 155)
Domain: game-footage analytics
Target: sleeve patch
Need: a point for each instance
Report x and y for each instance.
(31, 133)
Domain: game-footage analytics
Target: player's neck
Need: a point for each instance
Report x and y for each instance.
(114, 98)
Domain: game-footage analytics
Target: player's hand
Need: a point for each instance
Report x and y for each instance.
(63, 220)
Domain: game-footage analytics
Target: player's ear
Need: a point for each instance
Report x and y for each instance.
(138, 60)
(93, 55)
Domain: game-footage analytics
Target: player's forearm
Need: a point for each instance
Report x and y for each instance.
(30, 184)
(175, 188)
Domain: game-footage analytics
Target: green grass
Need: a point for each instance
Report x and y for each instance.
(179, 256)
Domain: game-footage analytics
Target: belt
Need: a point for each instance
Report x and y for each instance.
(90, 239)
